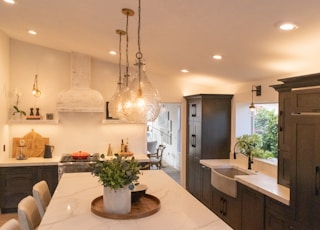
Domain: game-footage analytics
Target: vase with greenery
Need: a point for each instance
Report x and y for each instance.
(118, 176)
(18, 113)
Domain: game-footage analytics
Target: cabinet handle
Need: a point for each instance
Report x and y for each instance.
(193, 110)
(221, 205)
(193, 142)
(317, 180)
(280, 121)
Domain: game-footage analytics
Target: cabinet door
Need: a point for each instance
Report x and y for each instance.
(227, 208)
(206, 191)
(190, 174)
(305, 185)
(252, 208)
(198, 179)
(216, 128)
(16, 183)
(284, 140)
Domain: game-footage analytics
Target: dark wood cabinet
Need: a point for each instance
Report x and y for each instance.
(17, 182)
(227, 208)
(299, 144)
(252, 208)
(208, 136)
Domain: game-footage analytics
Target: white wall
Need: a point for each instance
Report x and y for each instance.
(84, 131)
(76, 131)
(4, 85)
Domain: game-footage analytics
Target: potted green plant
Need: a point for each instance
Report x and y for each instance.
(118, 176)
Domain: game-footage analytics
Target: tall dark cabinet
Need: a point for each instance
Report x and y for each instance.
(208, 137)
(299, 147)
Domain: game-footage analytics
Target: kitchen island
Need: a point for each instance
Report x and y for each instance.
(70, 207)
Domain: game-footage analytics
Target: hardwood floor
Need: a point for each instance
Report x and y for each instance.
(172, 172)
(7, 216)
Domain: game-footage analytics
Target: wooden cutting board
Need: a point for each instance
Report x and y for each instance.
(34, 143)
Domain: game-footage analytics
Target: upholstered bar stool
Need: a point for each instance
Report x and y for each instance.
(11, 224)
(41, 194)
(28, 214)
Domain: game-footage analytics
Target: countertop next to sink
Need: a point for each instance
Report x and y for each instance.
(31, 161)
(260, 182)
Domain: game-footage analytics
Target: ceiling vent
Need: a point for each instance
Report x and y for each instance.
(80, 97)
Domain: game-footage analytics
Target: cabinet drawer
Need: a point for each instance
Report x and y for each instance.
(306, 100)
(277, 207)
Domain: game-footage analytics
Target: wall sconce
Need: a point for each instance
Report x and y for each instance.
(256, 89)
(35, 90)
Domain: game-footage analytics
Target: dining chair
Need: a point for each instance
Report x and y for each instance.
(156, 158)
(11, 224)
(41, 194)
(28, 214)
(152, 146)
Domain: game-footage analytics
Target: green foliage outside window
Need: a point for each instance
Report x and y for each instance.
(265, 138)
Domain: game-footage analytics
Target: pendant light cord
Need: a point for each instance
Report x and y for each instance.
(139, 53)
(119, 81)
(127, 51)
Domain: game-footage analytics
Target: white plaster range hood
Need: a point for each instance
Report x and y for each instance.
(80, 97)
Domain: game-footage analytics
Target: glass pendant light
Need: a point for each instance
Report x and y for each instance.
(116, 102)
(142, 100)
(35, 90)
(114, 106)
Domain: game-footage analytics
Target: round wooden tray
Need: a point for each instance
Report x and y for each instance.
(145, 206)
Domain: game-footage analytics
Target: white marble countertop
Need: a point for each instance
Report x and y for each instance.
(140, 157)
(32, 161)
(40, 161)
(262, 183)
(70, 206)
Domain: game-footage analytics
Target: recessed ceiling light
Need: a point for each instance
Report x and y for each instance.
(185, 71)
(9, 1)
(111, 52)
(217, 57)
(287, 26)
(32, 32)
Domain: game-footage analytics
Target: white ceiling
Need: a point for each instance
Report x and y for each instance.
(177, 34)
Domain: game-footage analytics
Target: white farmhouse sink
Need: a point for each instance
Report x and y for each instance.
(223, 178)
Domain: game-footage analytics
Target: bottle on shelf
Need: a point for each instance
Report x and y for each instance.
(126, 146)
(122, 146)
(109, 153)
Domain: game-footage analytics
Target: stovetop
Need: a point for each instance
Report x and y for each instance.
(68, 158)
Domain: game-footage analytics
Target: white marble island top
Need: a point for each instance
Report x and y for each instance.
(262, 183)
(70, 207)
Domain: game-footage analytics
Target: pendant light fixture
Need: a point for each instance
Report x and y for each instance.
(142, 100)
(115, 106)
(35, 89)
(256, 89)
